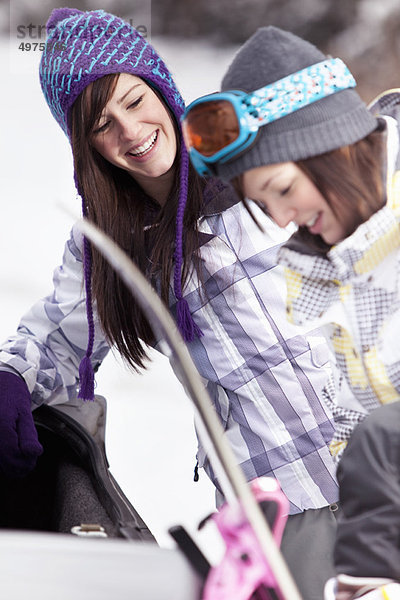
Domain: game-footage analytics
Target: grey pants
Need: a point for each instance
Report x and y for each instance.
(307, 546)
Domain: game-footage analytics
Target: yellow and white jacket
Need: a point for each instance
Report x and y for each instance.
(354, 292)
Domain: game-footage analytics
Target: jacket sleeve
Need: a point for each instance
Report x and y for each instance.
(367, 542)
(52, 336)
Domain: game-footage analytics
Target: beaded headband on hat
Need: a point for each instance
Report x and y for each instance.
(80, 48)
(334, 120)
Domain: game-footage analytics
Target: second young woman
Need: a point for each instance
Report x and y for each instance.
(290, 132)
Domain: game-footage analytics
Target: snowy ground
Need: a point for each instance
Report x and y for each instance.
(150, 439)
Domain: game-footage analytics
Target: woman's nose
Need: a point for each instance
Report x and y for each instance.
(129, 129)
(283, 215)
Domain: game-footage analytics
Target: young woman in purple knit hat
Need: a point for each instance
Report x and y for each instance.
(271, 383)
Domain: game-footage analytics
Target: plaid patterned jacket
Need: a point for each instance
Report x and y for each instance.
(355, 293)
(268, 381)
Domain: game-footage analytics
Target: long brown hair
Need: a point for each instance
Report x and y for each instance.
(351, 181)
(349, 178)
(118, 205)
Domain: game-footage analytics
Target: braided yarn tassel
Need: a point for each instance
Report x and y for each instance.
(86, 373)
(186, 324)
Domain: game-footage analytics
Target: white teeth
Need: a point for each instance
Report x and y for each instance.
(140, 150)
(312, 221)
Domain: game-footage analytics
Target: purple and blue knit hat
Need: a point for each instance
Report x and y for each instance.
(80, 48)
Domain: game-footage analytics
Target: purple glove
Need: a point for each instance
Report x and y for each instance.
(19, 443)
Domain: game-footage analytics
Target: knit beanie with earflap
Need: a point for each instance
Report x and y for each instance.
(336, 120)
(80, 48)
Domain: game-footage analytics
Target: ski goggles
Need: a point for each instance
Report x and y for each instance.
(218, 127)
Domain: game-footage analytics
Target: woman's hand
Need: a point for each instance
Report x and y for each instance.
(19, 443)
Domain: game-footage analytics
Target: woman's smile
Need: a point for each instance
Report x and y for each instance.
(143, 150)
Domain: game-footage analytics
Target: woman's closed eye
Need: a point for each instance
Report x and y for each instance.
(136, 102)
(101, 128)
(285, 190)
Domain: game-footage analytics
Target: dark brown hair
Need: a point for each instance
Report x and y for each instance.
(351, 181)
(117, 204)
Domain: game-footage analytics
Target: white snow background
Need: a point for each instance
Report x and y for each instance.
(150, 439)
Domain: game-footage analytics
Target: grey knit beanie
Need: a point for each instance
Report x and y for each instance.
(334, 121)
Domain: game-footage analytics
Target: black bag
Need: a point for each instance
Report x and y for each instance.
(71, 490)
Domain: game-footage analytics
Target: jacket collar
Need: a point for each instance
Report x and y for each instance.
(218, 196)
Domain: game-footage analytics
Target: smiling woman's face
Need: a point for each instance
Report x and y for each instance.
(289, 195)
(135, 131)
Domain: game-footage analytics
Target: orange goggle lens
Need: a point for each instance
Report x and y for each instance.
(211, 126)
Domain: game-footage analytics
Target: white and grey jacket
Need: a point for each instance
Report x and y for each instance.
(354, 292)
(268, 379)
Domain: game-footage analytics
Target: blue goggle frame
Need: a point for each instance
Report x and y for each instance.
(268, 104)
